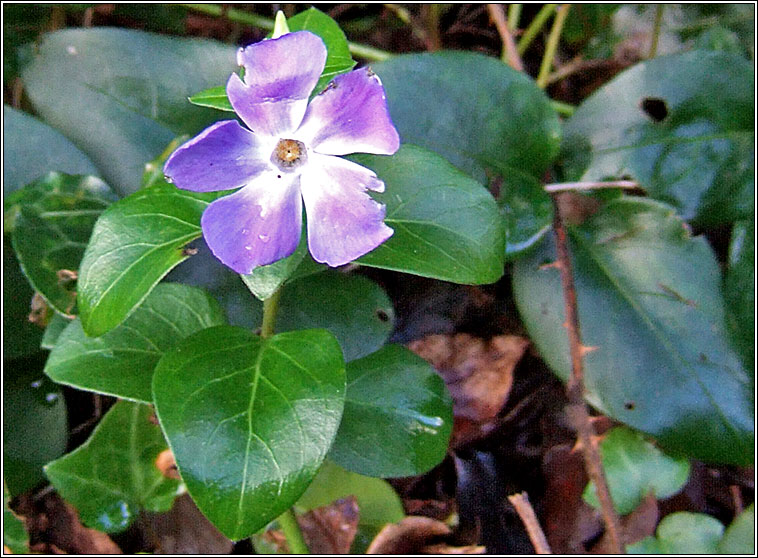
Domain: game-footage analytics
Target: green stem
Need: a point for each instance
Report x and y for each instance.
(534, 27)
(361, 51)
(656, 31)
(270, 307)
(552, 45)
(514, 14)
(293, 534)
(562, 108)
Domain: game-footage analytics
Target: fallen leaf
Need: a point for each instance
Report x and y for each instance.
(410, 536)
(478, 374)
(40, 313)
(447, 549)
(331, 529)
(184, 530)
(635, 526)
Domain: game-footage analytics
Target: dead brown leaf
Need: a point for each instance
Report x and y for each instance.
(635, 526)
(410, 536)
(166, 464)
(40, 313)
(447, 549)
(185, 530)
(331, 529)
(478, 374)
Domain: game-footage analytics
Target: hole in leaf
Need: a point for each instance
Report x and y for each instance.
(655, 108)
(629, 405)
(382, 315)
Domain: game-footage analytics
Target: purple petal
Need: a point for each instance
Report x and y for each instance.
(222, 157)
(256, 226)
(350, 116)
(344, 222)
(279, 77)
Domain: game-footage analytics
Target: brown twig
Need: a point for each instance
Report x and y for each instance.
(526, 513)
(576, 408)
(510, 53)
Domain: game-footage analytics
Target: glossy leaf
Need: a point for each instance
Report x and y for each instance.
(739, 291)
(338, 58)
(32, 149)
(681, 125)
(398, 416)
(682, 533)
(131, 86)
(475, 111)
(447, 226)
(635, 468)
(52, 222)
(215, 98)
(34, 426)
(649, 301)
(739, 537)
(265, 280)
(352, 308)
(20, 336)
(54, 328)
(121, 362)
(378, 503)
(134, 244)
(113, 475)
(249, 420)
(527, 212)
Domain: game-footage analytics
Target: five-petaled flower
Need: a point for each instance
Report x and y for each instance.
(289, 156)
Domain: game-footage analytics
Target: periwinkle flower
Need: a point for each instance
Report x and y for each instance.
(290, 156)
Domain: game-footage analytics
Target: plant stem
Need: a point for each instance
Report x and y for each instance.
(552, 45)
(534, 27)
(579, 186)
(576, 409)
(656, 31)
(431, 13)
(293, 534)
(562, 108)
(525, 511)
(514, 14)
(361, 51)
(270, 307)
(510, 55)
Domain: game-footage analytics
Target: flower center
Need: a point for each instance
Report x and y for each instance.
(289, 154)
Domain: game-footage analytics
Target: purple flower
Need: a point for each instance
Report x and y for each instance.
(289, 154)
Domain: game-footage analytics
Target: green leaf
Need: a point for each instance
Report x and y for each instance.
(32, 149)
(635, 468)
(475, 111)
(121, 95)
(20, 336)
(649, 300)
(265, 280)
(249, 420)
(134, 244)
(527, 212)
(53, 331)
(739, 291)
(121, 362)
(352, 308)
(34, 426)
(378, 503)
(447, 226)
(214, 98)
(398, 416)
(681, 125)
(113, 475)
(52, 222)
(740, 535)
(682, 533)
(15, 537)
(338, 58)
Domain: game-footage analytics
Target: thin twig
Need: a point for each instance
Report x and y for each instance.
(510, 55)
(579, 186)
(552, 45)
(534, 27)
(431, 15)
(514, 15)
(576, 408)
(656, 31)
(529, 519)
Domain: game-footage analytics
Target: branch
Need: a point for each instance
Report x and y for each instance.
(510, 54)
(529, 519)
(576, 408)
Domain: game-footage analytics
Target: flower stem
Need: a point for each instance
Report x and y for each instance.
(656, 31)
(293, 534)
(509, 56)
(552, 45)
(514, 14)
(534, 27)
(562, 108)
(270, 307)
(361, 51)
